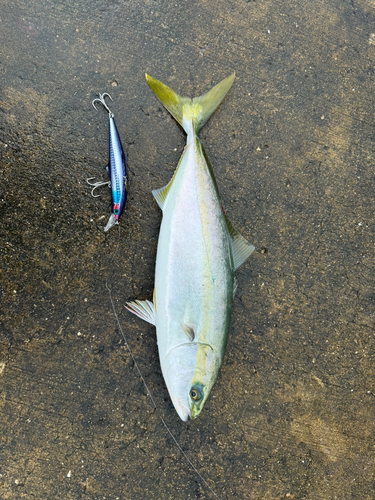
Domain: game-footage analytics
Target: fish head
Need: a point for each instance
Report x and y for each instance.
(191, 373)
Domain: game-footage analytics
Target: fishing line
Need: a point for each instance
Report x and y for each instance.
(152, 399)
(101, 99)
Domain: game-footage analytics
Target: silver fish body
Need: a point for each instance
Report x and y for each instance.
(198, 252)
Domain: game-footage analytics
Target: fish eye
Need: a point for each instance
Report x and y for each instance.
(196, 393)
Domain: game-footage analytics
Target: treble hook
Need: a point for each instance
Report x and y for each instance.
(101, 99)
(96, 185)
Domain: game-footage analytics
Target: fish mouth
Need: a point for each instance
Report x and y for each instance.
(183, 412)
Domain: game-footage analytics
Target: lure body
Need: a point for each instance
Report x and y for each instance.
(116, 169)
(197, 255)
(117, 174)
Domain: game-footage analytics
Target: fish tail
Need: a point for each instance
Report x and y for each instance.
(191, 113)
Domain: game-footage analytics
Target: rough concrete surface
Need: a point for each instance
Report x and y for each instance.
(292, 145)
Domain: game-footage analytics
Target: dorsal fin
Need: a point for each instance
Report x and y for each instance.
(161, 194)
(241, 248)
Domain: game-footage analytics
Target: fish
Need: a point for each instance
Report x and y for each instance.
(116, 169)
(198, 253)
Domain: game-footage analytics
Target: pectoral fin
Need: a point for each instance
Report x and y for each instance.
(144, 309)
(189, 330)
(241, 248)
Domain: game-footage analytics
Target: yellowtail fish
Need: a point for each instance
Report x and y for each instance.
(197, 255)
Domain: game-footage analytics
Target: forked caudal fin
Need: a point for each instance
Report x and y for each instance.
(191, 111)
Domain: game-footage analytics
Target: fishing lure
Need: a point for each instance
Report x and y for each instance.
(116, 169)
(198, 252)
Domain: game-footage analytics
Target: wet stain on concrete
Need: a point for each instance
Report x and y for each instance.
(320, 436)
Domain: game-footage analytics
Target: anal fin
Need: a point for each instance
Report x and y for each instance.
(144, 309)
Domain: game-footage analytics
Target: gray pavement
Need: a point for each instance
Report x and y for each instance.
(292, 145)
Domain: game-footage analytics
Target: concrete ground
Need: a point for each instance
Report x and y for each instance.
(292, 145)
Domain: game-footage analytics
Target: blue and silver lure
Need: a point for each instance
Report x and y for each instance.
(116, 168)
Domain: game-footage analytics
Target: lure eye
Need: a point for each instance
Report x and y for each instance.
(115, 211)
(196, 393)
